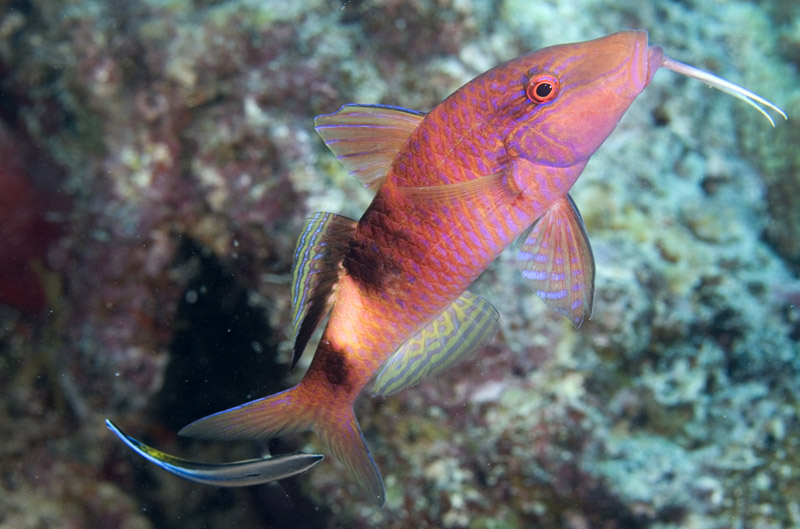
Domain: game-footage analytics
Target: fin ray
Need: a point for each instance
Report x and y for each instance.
(459, 331)
(349, 446)
(557, 259)
(292, 411)
(258, 419)
(317, 264)
(367, 138)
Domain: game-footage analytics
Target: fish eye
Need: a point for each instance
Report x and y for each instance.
(542, 88)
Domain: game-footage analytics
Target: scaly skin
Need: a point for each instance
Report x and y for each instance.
(477, 171)
(411, 257)
(454, 188)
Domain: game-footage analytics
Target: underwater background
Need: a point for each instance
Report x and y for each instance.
(157, 159)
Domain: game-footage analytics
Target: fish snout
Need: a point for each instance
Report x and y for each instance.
(655, 58)
(646, 61)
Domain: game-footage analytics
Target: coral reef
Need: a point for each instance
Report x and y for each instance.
(161, 157)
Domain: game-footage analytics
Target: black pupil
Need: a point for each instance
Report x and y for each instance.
(543, 89)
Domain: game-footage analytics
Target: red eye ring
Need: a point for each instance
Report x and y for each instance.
(542, 88)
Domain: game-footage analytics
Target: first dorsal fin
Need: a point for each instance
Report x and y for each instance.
(367, 138)
(317, 266)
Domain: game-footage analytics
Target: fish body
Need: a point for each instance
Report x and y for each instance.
(469, 178)
(493, 161)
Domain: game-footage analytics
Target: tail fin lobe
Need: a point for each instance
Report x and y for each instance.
(347, 443)
(268, 417)
(291, 411)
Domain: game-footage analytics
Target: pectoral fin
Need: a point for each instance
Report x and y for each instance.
(557, 259)
(463, 327)
(318, 259)
(234, 474)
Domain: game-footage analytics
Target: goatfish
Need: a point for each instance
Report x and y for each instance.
(492, 163)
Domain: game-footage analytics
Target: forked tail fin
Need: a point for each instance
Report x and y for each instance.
(272, 416)
(291, 411)
(344, 438)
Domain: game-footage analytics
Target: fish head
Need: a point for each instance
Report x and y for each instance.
(568, 98)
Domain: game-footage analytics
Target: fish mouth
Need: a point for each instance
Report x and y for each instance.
(646, 60)
(655, 58)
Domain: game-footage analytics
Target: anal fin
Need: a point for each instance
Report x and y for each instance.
(557, 259)
(459, 331)
(316, 270)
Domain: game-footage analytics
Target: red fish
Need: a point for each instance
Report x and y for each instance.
(493, 161)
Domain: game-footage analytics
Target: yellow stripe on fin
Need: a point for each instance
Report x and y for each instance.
(367, 138)
(460, 330)
(316, 269)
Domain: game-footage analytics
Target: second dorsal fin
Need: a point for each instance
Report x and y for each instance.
(317, 266)
(367, 138)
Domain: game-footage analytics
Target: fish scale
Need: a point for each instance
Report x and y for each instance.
(453, 277)
(494, 160)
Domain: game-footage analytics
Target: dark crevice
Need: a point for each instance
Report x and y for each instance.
(223, 351)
